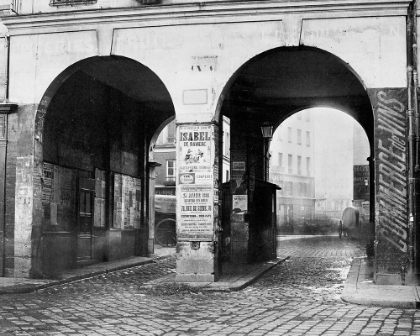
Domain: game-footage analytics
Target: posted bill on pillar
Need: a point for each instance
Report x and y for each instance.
(195, 182)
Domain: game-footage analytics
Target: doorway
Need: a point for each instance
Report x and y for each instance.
(85, 221)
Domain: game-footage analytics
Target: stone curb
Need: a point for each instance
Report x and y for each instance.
(367, 293)
(248, 278)
(84, 274)
(232, 284)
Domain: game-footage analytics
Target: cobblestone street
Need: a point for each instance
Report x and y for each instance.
(298, 297)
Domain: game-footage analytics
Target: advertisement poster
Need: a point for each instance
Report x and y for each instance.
(127, 206)
(240, 202)
(195, 149)
(196, 212)
(195, 183)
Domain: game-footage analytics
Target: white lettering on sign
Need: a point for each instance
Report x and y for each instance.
(392, 169)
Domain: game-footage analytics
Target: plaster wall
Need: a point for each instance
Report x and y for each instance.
(196, 61)
(36, 60)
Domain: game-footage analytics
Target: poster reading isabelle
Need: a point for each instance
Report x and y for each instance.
(195, 183)
(195, 149)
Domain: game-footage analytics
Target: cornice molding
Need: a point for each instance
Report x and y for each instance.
(201, 13)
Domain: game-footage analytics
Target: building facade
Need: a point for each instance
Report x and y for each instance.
(292, 168)
(88, 85)
(334, 163)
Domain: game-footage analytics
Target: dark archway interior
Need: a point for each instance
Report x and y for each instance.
(95, 140)
(277, 83)
(268, 89)
(107, 105)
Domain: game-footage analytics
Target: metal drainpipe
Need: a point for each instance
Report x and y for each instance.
(411, 46)
(4, 152)
(3, 192)
(6, 82)
(416, 134)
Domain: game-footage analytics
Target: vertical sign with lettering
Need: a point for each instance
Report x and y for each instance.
(391, 178)
(195, 160)
(361, 182)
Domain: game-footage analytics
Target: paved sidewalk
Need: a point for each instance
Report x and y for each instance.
(360, 289)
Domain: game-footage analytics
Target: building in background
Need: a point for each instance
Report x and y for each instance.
(226, 150)
(292, 168)
(333, 163)
(164, 153)
(361, 173)
(341, 149)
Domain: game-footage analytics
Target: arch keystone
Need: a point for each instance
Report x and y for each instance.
(292, 29)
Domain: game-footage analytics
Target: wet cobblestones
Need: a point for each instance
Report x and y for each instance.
(298, 297)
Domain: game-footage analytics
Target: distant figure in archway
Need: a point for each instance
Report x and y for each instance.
(351, 224)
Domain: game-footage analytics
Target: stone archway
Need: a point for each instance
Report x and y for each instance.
(89, 174)
(275, 84)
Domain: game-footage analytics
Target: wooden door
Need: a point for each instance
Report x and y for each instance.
(85, 221)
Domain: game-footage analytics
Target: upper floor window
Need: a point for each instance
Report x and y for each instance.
(290, 164)
(299, 165)
(167, 136)
(280, 161)
(226, 144)
(308, 166)
(308, 139)
(279, 134)
(170, 168)
(171, 132)
(299, 137)
(9, 6)
(70, 2)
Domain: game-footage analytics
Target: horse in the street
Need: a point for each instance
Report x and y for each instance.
(350, 220)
